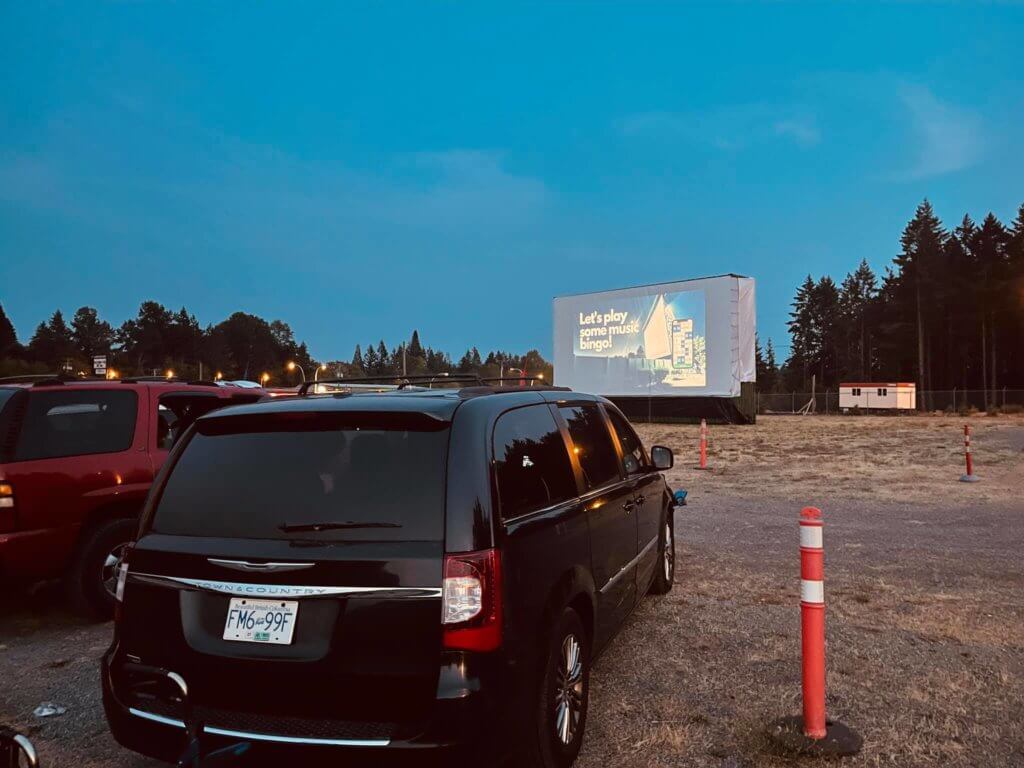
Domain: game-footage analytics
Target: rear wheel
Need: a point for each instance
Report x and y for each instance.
(560, 714)
(666, 572)
(93, 576)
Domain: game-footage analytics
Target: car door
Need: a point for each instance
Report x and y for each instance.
(610, 506)
(77, 450)
(648, 492)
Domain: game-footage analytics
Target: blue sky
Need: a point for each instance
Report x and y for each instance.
(362, 169)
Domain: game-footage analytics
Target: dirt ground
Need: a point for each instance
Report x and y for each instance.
(810, 459)
(924, 587)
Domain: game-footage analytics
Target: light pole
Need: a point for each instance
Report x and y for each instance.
(292, 367)
(264, 378)
(316, 373)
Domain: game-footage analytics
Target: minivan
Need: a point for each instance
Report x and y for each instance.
(425, 571)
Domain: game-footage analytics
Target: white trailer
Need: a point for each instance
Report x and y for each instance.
(878, 396)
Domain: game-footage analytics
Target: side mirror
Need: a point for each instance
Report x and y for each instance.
(662, 457)
(16, 751)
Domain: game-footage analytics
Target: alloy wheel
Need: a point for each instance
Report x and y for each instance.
(569, 690)
(109, 571)
(668, 554)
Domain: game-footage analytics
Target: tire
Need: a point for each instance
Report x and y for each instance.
(545, 744)
(91, 567)
(666, 568)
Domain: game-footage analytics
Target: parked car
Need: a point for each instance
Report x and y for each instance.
(76, 461)
(417, 570)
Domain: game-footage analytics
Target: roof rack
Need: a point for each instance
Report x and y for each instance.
(468, 382)
(33, 378)
(520, 380)
(399, 380)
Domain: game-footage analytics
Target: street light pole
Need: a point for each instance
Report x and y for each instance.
(292, 366)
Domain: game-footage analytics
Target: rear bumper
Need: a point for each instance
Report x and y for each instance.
(457, 727)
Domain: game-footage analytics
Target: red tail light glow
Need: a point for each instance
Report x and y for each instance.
(7, 519)
(472, 611)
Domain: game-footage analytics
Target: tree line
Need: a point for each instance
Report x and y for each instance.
(158, 341)
(947, 313)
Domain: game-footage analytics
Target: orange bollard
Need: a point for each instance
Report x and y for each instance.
(812, 621)
(812, 733)
(703, 444)
(970, 477)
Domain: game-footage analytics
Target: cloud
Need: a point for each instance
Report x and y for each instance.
(238, 194)
(946, 138)
(728, 128)
(803, 131)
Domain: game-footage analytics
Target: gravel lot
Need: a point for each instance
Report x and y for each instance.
(925, 610)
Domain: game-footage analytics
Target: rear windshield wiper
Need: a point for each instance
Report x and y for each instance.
(305, 527)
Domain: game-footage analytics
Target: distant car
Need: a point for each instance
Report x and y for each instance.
(411, 571)
(76, 461)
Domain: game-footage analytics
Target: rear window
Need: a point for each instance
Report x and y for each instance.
(531, 463)
(288, 482)
(77, 422)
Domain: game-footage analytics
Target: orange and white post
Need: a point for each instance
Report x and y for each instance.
(703, 444)
(810, 733)
(812, 621)
(970, 477)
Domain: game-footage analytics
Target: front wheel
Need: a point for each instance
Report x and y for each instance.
(560, 716)
(666, 566)
(92, 579)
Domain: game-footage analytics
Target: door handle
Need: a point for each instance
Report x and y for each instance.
(641, 499)
(628, 506)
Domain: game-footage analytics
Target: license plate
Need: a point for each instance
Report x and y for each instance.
(261, 621)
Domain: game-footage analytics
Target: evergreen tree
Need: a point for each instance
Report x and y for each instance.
(989, 255)
(922, 243)
(386, 363)
(371, 361)
(357, 361)
(9, 346)
(857, 297)
(91, 335)
(804, 345)
(52, 343)
(771, 368)
(415, 349)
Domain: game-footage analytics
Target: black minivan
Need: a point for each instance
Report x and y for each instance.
(420, 570)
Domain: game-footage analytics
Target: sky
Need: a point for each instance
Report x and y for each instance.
(362, 169)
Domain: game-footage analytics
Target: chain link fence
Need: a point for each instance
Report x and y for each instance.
(944, 400)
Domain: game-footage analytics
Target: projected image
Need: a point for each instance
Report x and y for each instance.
(656, 341)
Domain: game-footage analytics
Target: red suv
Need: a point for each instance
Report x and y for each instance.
(76, 461)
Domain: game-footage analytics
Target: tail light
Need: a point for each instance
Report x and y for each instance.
(7, 522)
(471, 597)
(122, 579)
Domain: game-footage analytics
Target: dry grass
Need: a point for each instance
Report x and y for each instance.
(924, 585)
(911, 458)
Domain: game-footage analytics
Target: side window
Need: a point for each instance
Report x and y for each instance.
(592, 444)
(533, 468)
(166, 427)
(76, 423)
(633, 455)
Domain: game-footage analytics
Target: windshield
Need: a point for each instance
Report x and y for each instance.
(354, 484)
